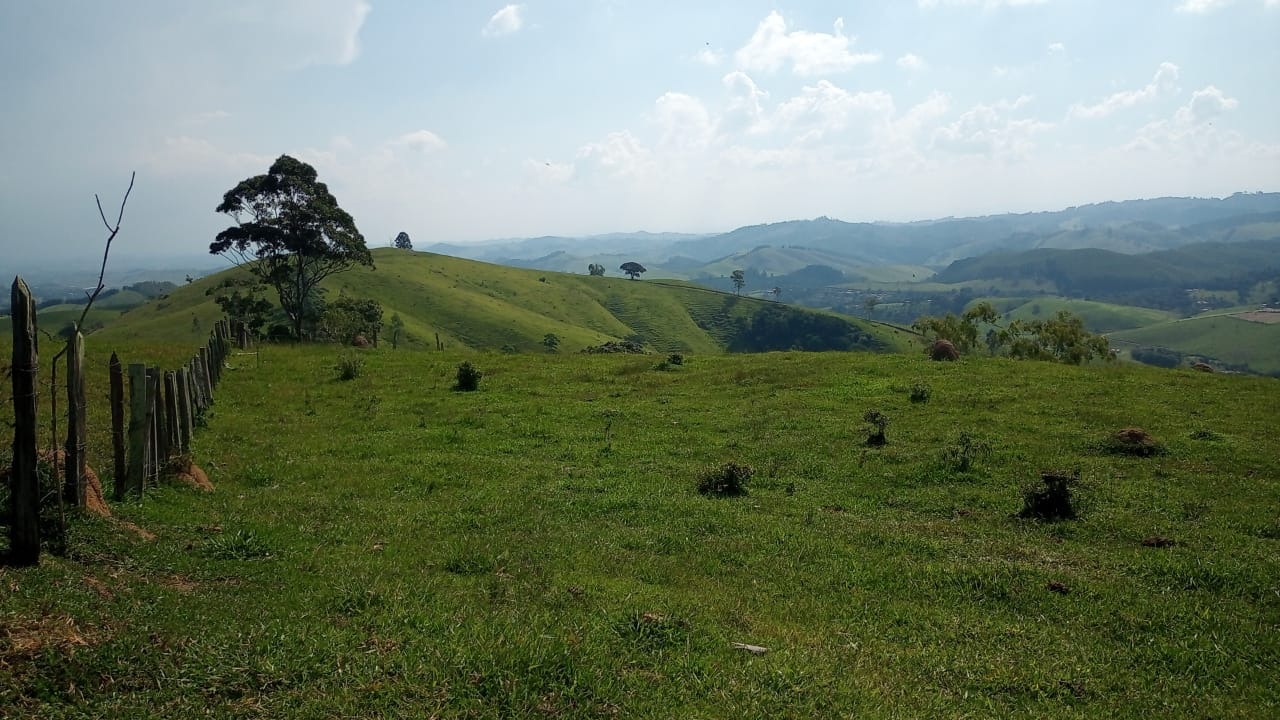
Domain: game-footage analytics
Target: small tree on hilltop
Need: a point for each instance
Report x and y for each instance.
(290, 233)
(739, 281)
(632, 269)
(403, 242)
(595, 269)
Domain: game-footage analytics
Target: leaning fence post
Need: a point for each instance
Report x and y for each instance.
(206, 376)
(117, 425)
(24, 485)
(138, 426)
(73, 490)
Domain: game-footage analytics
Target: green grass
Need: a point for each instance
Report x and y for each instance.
(1221, 337)
(386, 547)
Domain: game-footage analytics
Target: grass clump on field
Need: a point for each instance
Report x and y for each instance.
(728, 480)
(967, 449)
(920, 392)
(349, 367)
(877, 422)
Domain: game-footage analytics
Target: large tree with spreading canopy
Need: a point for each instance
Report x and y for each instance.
(290, 233)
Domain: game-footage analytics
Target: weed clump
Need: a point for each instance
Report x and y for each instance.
(238, 545)
(1133, 441)
(878, 422)
(966, 451)
(1051, 502)
(675, 359)
(728, 480)
(349, 367)
(468, 377)
(921, 392)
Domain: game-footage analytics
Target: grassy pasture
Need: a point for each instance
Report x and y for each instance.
(1219, 336)
(386, 547)
(1099, 317)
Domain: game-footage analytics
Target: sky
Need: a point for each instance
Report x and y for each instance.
(459, 121)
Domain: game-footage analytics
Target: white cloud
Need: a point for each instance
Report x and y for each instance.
(620, 153)
(684, 121)
(746, 102)
(987, 130)
(296, 33)
(186, 155)
(504, 22)
(809, 53)
(709, 57)
(423, 141)
(1191, 127)
(985, 4)
(1057, 48)
(826, 109)
(912, 62)
(1164, 81)
(1200, 7)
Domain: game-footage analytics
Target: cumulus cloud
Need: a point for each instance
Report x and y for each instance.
(423, 141)
(988, 130)
(619, 153)
(772, 46)
(684, 121)
(826, 109)
(912, 62)
(506, 21)
(1191, 127)
(1165, 80)
(746, 102)
(709, 57)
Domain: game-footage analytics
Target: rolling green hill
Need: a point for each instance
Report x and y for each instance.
(1099, 317)
(471, 304)
(1220, 337)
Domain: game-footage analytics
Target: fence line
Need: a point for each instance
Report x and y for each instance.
(150, 426)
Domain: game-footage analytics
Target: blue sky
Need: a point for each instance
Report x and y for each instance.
(460, 121)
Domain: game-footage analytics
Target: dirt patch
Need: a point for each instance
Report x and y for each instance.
(179, 583)
(943, 350)
(142, 533)
(1260, 316)
(1158, 541)
(26, 639)
(1202, 367)
(1134, 441)
(185, 472)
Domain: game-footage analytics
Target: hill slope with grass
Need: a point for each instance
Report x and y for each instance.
(476, 305)
(1225, 338)
(386, 547)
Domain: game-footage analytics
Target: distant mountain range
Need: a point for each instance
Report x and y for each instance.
(1128, 227)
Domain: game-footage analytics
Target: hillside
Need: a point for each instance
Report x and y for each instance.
(477, 305)
(386, 547)
(1223, 338)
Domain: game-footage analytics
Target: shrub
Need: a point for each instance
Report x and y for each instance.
(921, 392)
(238, 545)
(1051, 502)
(468, 377)
(675, 359)
(349, 367)
(728, 480)
(967, 449)
(878, 422)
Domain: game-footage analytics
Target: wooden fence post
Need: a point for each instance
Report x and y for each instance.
(173, 427)
(138, 426)
(154, 423)
(206, 376)
(73, 490)
(117, 425)
(184, 409)
(24, 484)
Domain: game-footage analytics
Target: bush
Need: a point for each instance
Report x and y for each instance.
(943, 350)
(878, 422)
(675, 359)
(728, 480)
(349, 367)
(1051, 502)
(921, 392)
(468, 377)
